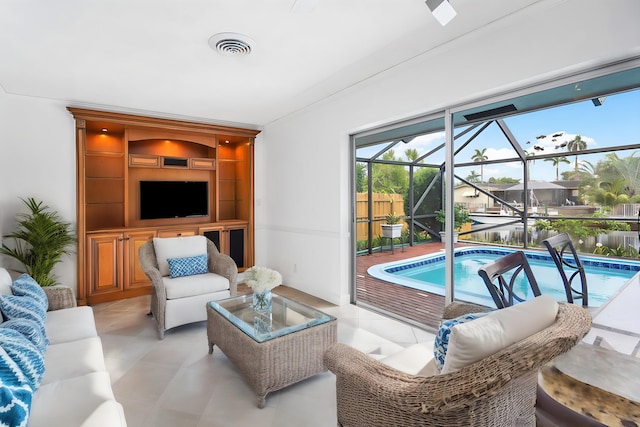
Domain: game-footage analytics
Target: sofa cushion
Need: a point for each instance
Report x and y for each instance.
(25, 285)
(62, 361)
(416, 359)
(30, 329)
(72, 401)
(27, 357)
(441, 342)
(182, 287)
(188, 266)
(475, 340)
(5, 282)
(70, 324)
(177, 247)
(23, 307)
(15, 393)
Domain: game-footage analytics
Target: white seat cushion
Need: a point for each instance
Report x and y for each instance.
(5, 282)
(70, 324)
(72, 401)
(414, 360)
(187, 286)
(177, 247)
(62, 360)
(477, 339)
(5, 285)
(107, 414)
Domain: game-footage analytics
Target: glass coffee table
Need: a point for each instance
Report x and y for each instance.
(272, 349)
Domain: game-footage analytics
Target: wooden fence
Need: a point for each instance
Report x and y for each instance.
(383, 205)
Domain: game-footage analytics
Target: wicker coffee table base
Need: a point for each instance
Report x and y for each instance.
(274, 364)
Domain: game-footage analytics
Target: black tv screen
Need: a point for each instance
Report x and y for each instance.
(173, 199)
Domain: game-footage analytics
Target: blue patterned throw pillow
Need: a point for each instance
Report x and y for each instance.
(30, 329)
(441, 342)
(25, 285)
(15, 393)
(188, 266)
(27, 357)
(23, 307)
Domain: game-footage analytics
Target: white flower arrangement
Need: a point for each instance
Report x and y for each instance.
(262, 279)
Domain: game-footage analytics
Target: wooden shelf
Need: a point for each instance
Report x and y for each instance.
(111, 166)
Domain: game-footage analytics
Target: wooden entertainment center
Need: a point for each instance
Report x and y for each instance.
(115, 153)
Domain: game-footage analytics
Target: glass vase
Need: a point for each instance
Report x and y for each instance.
(262, 301)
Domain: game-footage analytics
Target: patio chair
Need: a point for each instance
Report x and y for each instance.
(180, 298)
(504, 292)
(498, 389)
(566, 258)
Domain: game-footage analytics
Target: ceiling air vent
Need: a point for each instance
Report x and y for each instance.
(231, 44)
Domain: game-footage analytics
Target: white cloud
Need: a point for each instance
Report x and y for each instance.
(500, 153)
(425, 143)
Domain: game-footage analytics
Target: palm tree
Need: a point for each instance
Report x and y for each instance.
(412, 154)
(473, 176)
(556, 163)
(629, 169)
(575, 145)
(480, 156)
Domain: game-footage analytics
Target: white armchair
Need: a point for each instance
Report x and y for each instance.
(182, 285)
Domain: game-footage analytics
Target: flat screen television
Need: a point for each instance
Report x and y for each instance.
(173, 199)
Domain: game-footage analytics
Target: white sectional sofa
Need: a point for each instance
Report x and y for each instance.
(75, 389)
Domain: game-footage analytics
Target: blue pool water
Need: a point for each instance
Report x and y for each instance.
(604, 276)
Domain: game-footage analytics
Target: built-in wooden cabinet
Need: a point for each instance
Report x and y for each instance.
(115, 153)
(113, 266)
(231, 239)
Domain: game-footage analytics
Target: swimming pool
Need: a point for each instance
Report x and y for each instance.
(604, 276)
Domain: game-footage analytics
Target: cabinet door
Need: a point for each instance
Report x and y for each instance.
(104, 263)
(135, 276)
(215, 234)
(236, 245)
(230, 240)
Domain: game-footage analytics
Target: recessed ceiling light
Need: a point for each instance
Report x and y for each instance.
(105, 130)
(231, 44)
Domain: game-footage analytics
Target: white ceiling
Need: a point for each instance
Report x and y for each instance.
(152, 56)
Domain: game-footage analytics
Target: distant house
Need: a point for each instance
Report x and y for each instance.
(540, 193)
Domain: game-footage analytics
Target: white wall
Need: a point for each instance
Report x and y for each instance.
(37, 159)
(303, 216)
(302, 162)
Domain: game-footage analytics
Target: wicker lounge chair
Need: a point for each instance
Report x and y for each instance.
(499, 390)
(172, 308)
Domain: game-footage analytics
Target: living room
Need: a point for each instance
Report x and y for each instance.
(302, 156)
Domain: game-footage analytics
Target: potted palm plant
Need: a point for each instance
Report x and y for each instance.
(392, 229)
(460, 218)
(40, 241)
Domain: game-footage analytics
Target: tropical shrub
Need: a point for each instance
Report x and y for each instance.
(40, 241)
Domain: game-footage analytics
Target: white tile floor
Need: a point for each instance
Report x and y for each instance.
(175, 382)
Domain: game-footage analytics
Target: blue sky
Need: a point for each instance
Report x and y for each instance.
(615, 122)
